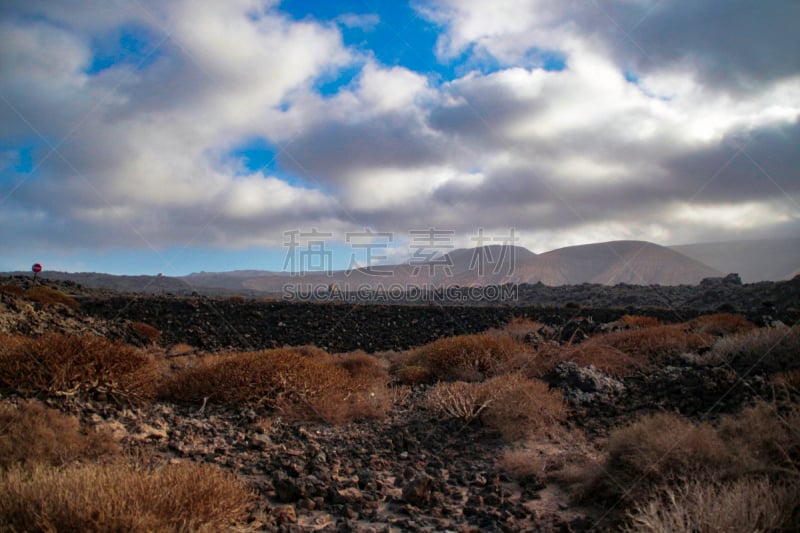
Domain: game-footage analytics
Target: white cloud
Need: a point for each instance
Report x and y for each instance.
(393, 89)
(366, 22)
(565, 156)
(257, 196)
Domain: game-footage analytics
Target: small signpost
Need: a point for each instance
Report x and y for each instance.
(36, 269)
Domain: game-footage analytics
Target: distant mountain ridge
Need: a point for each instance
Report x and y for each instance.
(609, 263)
(753, 260)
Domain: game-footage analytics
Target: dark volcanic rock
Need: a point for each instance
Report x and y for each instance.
(585, 386)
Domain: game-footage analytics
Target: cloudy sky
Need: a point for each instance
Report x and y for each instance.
(144, 136)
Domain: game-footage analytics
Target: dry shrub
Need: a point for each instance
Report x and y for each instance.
(764, 350)
(660, 450)
(654, 344)
(720, 324)
(146, 331)
(61, 365)
(610, 360)
(708, 506)
(414, 375)
(789, 379)
(120, 497)
(639, 321)
(308, 350)
(523, 464)
(536, 363)
(512, 404)
(466, 357)
(458, 400)
(763, 437)
(49, 296)
(34, 434)
(551, 459)
(521, 407)
(518, 328)
(10, 288)
(544, 359)
(361, 365)
(400, 395)
(282, 379)
(237, 298)
(180, 349)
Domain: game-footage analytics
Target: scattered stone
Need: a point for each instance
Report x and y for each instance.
(285, 514)
(584, 386)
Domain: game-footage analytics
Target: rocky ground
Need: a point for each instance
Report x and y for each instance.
(406, 472)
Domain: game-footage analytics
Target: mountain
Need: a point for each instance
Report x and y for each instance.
(488, 265)
(610, 263)
(633, 262)
(753, 260)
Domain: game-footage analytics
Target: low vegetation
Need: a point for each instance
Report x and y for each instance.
(49, 296)
(674, 474)
(639, 321)
(122, 497)
(710, 505)
(146, 332)
(33, 434)
(656, 344)
(511, 403)
(68, 365)
(466, 357)
(319, 386)
(762, 351)
(720, 324)
(659, 472)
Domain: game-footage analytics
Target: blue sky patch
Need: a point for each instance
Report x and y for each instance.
(330, 86)
(131, 45)
(400, 37)
(257, 155)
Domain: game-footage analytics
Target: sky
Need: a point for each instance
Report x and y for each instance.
(152, 136)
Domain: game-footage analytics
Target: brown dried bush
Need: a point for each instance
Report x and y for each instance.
(49, 296)
(660, 450)
(34, 434)
(512, 404)
(523, 464)
(362, 365)
(466, 357)
(457, 400)
(762, 351)
(120, 497)
(708, 506)
(654, 344)
(521, 407)
(308, 350)
(281, 379)
(180, 349)
(609, 359)
(720, 324)
(62, 365)
(789, 379)
(639, 321)
(763, 438)
(414, 375)
(146, 331)
(518, 328)
(10, 288)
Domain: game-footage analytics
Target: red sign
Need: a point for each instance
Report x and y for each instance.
(36, 268)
